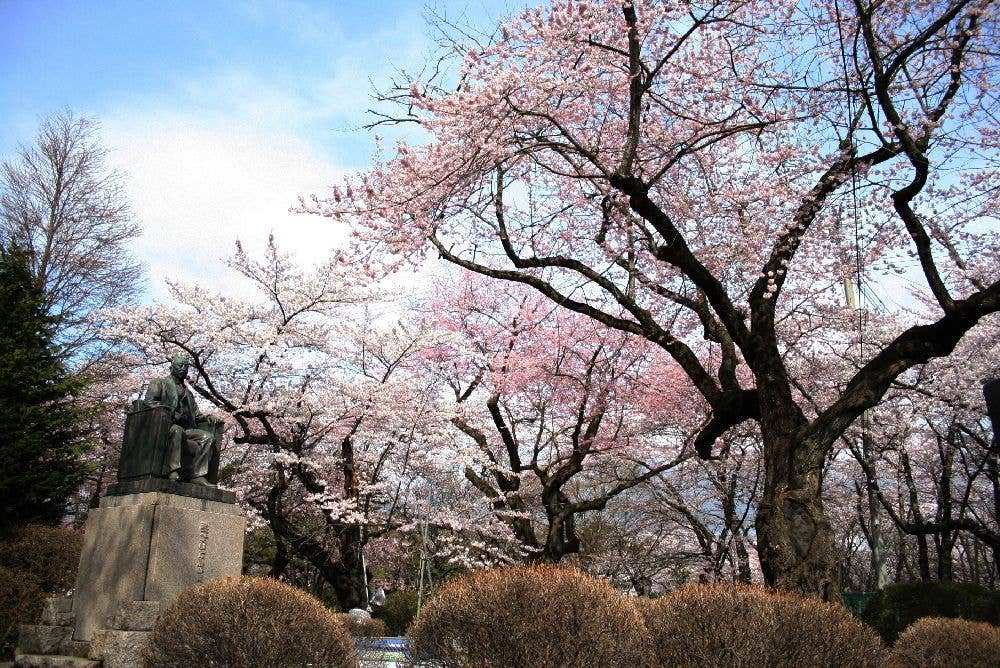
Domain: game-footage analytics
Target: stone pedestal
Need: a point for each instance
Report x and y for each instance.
(151, 546)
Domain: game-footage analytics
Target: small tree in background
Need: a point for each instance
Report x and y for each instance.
(40, 439)
(60, 202)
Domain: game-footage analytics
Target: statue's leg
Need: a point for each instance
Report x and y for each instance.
(175, 441)
(200, 446)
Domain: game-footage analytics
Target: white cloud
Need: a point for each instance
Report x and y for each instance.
(197, 187)
(222, 155)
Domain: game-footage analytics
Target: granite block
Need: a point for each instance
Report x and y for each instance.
(57, 604)
(119, 649)
(41, 638)
(75, 648)
(171, 500)
(135, 616)
(112, 564)
(59, 619)
(53, 661)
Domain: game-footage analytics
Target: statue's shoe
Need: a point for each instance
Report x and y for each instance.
(174, 475)
(201, 480)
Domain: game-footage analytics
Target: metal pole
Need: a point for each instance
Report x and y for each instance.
(425, 568)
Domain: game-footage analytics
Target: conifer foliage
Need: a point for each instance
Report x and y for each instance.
(40, 441)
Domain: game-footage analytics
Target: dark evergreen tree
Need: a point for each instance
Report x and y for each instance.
(40, 438)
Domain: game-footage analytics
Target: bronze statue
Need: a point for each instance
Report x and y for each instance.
(166, 436)
(186, 422)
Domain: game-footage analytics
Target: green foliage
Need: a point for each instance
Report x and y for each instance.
(249, 622)
(855, 601)
(40, 438)
(892, 609)
(35, 562)
(939, 642)
(531, 617)
(398, 612)
(727, 624)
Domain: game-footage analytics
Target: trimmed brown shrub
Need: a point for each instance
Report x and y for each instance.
(35, 562)
(738, 625)
(21, 599)
(941, 642)
(51, 555)
(362, 627)
(248, 622)
(529, 616)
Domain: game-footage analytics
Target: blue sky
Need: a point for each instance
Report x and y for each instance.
(219, 113)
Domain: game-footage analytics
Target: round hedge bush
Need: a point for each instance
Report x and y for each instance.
(246, 622)
(725, 624)
(892, 609)
(529, 616)
(939, 642)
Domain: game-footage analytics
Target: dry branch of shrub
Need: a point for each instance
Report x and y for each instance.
(531, 617)
(737, 625)
(249, 622)
(940, 642)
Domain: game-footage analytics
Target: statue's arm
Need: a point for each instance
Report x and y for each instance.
(203, 418)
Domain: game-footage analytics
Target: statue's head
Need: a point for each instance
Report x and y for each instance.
(179, 366)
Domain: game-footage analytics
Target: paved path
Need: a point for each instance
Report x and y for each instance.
(383, 652)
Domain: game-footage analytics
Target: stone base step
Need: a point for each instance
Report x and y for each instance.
(53, 661)
(79, 648)
(37, 639)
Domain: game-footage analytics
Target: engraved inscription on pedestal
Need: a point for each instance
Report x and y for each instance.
(202, 549)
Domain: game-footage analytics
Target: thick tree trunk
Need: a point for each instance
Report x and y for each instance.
(923, 557)
(945, 544)
(344, 571)
(279, 564)
(743, 561)
(348, 579)
(560, 538)
(795, 540)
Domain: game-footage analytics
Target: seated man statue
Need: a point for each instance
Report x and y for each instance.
(199, 444)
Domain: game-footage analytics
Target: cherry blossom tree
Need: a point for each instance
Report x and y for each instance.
(114, 381)
(935, 477)
(326, 414)
(561, 414)
(704, 175)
